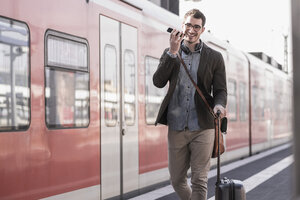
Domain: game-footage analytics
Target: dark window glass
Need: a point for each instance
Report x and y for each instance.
(111, 98)
(232, 100)
(66, 53)
(243, 103)
(129, 87)
(154, 95)
(67, 81)
(14, 75)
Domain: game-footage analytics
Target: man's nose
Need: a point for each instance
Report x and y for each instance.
(191, 30)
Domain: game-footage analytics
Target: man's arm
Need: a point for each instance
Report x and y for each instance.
(220, 87)
(168, 60)
(164, 69)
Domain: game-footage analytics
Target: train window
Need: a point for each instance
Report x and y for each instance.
(14, 75)
(154, 96)
(232, 100)
(67, 93)
(129, 87)
(111, 108)
(66, 53)
(242, 102)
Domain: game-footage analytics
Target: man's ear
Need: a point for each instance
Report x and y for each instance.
(203, 29)
(182, 26)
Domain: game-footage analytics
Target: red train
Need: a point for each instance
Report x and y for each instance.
(77, 103)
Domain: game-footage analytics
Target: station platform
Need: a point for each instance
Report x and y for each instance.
(266, 176)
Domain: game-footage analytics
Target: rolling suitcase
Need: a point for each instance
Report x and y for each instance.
(227, 189)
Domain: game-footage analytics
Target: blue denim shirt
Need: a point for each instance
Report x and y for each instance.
(182, 112)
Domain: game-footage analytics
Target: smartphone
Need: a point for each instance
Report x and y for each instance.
(171, 29)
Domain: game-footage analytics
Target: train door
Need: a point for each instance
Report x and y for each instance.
(119, 120)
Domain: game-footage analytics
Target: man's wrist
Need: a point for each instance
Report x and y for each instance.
(219, 105)
(171, 54)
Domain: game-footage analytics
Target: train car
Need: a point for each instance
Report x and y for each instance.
(77, 102)
(271, 104)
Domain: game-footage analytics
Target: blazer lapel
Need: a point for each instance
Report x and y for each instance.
(203, 62)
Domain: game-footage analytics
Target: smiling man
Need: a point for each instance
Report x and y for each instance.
(190, 124)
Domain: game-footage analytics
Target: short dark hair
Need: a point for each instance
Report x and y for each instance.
(196, 14)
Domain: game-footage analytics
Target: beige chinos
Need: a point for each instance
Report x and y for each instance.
(190, 149)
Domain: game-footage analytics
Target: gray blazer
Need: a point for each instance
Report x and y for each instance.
(211, 76)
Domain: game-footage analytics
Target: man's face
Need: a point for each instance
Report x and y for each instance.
(192, 29)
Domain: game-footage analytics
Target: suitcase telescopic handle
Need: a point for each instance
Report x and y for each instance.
(218, 159)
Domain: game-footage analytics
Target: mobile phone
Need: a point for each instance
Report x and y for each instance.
(171, 29)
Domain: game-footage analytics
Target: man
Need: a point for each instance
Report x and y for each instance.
(191, 125)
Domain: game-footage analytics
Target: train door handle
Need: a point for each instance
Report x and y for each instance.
(123, 131)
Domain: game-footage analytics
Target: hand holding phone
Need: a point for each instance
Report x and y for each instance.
(175, 40)
(169, 30)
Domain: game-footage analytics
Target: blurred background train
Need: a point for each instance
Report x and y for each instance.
(77, 103)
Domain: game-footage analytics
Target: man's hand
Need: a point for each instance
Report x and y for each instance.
(220, 108)
(175, 40)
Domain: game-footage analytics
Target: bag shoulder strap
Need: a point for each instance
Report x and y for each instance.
(197, 88)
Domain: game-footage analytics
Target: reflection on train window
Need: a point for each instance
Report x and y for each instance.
(232, 101)
(154, 96)
(129, 87)
(257, 103)
(67, 81)
(111, 108)
(14, 76)
(66, 53)
(243, 102)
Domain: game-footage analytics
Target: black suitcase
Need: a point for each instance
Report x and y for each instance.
(227, 189)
